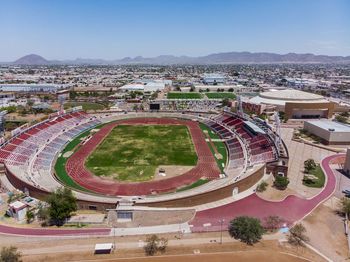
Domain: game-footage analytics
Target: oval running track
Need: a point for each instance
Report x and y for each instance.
(291, 209)
(206, 164)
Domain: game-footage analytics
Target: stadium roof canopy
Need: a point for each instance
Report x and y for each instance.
(254, 127)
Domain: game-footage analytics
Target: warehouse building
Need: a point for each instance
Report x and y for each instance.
(330, 132)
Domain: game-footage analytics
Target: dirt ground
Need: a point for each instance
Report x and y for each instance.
(248, 256)
(233, 251)
(325, 228)
(275, 194)
(171, 171)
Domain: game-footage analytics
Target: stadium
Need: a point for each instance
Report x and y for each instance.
(129, 162)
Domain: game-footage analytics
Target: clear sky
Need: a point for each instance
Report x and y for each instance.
(112, 29)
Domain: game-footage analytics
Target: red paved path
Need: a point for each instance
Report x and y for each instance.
(291, 209)
(206, 165)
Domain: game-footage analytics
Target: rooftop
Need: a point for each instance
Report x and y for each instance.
(330, 125)
(290, 94)
(280, 97)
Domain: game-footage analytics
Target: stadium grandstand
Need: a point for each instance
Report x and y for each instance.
(29, 158)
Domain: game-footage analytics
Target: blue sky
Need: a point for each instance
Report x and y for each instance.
(112, 29)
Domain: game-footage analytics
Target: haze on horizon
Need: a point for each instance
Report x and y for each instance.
(115, 29)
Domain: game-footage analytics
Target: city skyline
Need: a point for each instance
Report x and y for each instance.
(116, 29)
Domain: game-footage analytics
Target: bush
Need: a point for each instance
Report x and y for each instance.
(309, 165)
(341, 119)
(281, 182)
(10, 254)
(344, 206)
(155, 244)
(246, 229)
(29, 216)
(262, 186)
(272, 223)
(297, 235)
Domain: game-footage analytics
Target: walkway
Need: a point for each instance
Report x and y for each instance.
(291, 209)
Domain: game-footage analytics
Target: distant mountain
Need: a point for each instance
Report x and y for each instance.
(218, 58)
(31, 59)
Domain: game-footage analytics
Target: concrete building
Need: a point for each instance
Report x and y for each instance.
(331, 133)
(17, 210)
(211, 79)
(37, 88)
(146, 85)
(6, 98)
(296, 104)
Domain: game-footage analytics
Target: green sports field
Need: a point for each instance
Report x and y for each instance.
(133, 152)
(220, 95)
(179, 95)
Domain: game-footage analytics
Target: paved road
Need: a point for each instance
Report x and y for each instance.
(10, 230)
(291, 209)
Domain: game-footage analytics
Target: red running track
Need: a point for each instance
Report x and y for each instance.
(206, 165)
(291, 209)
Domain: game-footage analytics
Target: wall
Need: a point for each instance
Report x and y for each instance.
(290, 106)
(211, 196)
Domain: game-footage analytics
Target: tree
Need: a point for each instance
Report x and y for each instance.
(29, 216)
(272, 223)
(62, 203)
(30, 103)
(247, 229)
(72, 95)
(10, 254)
(345, 205)
(297, 235)
(262, 186)
(225, 102)
(43, 214)
(341, 119)
(155, 244)
(281, 182)
(345, 114)
(309, 165)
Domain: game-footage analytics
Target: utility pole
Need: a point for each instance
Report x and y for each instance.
(221, 223)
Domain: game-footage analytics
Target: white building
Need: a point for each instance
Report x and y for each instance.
(331, 132)
(18, 210)
(214, 78)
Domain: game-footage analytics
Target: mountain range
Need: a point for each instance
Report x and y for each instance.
(217, 58)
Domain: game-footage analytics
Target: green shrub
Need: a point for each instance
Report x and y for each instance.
(262, 186)
(281, 182)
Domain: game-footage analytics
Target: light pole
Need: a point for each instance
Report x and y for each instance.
(221, 223)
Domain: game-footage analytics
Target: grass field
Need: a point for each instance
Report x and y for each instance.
(178, 95)
(319, 182)
(220, 147)
(199, 182)
(86, 105)
(133, 152)
(60, 169)
(220, 95)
